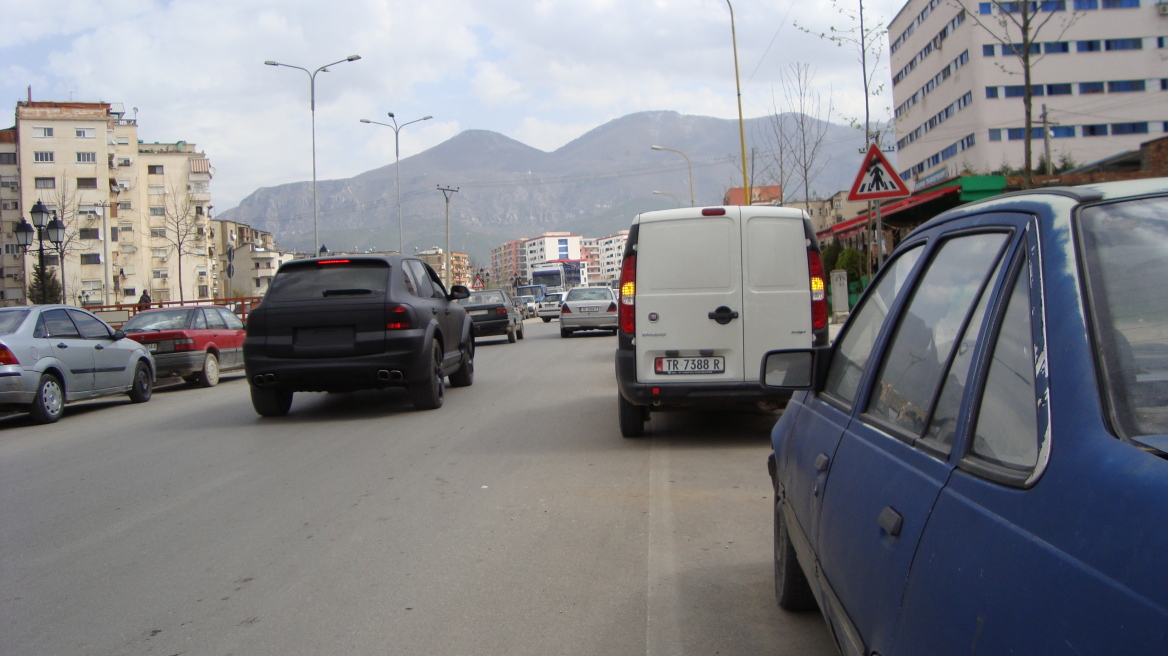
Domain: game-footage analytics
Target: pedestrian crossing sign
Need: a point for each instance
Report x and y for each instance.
(876, 179)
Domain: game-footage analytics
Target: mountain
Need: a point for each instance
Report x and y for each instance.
(592, 186)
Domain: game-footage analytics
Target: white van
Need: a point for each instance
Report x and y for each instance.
(704, 294)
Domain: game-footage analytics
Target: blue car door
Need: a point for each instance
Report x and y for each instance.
(885, 475)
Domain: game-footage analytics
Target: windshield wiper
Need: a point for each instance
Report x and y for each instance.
(346, 292)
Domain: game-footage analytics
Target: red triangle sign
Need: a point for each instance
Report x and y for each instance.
(876, 179)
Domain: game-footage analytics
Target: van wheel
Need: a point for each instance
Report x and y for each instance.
(427, 393)
(632, 417)
(464, 377)
(546, 319)
(269, 402)
(49, 403)
(792, 590)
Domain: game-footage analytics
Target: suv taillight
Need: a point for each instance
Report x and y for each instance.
(628, 291)
(818, 291)
(398, 317)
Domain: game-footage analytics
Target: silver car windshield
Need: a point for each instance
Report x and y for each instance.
(1125, 251)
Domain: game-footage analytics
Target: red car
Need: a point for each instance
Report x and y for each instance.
(196, 343)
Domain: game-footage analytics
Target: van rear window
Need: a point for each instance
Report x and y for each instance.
(332, 280)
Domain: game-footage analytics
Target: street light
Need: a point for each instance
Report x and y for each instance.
(688, 164)
(312, 108)
(397, 168)
(666, 193)
(447, 192)
(56, 230)
(741, 126)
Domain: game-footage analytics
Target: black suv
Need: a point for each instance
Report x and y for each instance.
(336, 324)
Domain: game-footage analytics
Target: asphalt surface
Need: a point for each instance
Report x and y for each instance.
(513, 520)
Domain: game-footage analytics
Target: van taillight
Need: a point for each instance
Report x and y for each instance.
(398, 317)
(7, 356)
(818, 291)
(628, 290)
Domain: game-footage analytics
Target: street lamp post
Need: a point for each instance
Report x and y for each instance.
(312, 108)
(397, 168)
(674, 197)
(688, 164)
(447, 192)
(741, 126)
(56, 231)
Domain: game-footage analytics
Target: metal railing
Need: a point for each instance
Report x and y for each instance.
(118, 314)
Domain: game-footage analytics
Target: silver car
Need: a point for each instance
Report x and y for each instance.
(51, 355)
(588, 308)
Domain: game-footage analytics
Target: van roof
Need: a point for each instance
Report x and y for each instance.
(731, 210)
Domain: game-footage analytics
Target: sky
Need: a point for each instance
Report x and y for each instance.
(542, 72)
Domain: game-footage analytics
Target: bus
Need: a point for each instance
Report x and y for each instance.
(560, 275)
(537, 291)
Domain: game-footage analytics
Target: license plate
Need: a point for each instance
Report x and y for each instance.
(477, 313)
(151, 346)
(590, 308)
(708, 365)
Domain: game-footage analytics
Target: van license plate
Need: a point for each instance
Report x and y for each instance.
(713, 365)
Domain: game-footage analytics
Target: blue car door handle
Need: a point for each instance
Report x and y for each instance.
(890, 520)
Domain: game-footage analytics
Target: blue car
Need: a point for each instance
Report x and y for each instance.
(977, 465)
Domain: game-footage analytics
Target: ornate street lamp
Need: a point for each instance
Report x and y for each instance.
(56, 230)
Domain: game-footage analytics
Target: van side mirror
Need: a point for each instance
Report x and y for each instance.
(795, 369)
(458, 292)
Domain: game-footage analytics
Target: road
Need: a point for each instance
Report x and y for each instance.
(513, 520)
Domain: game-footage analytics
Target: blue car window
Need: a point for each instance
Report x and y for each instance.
(1006, 432)
(843, 377)
(943, 424)
(928, 328)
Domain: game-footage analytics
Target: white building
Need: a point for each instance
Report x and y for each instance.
(1098, 66)
(552, 246)
(611, 251)
(135, 214)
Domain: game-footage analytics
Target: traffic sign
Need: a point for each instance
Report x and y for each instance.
(876, 179)
(478, 282)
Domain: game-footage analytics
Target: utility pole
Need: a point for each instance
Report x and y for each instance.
(447, 192)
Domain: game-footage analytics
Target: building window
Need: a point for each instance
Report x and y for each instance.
(157, 211)
(1017, 48)
(7, 158)
(89, 233)
(1123, 44)
(126, 226)
(1083, 5)
(46, 183)
(159, 252)
(991, 92)
(987, 50)
(1056, 46)
(42, 156)
(91, 258)
(52, 259)
(1121, 4)
(154, 169)
(85, 133)
(995, 135)
(158, 232)
(985, 8)
(86, 158)
(1090, 87)
(123, 141)
(203, 291)
(87, 183)
(1129, 128)
(159, 273)
(42, 132)
(129, 291)
(1160, 41)
(1019, 90)
(1125, 86)
(1094, 130)
(1087, 46)
(1058, 89)
(1164, 84)
(124, 161)
(1062, 131)
(124, 205)
(157, 190)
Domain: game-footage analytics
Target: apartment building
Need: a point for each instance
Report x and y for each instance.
(552, 246)
(611, 251)
(459, 264)
(252, 255)
(1097, 66)
(135, 214)
(509, 263)
(590, 254)
(12, 261)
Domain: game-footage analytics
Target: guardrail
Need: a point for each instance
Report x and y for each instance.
(116, 315)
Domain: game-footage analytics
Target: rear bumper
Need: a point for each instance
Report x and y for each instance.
(178, 364)
(17, 386)
(399, 364)
(491, 327)
(688, 393)
(589, 321)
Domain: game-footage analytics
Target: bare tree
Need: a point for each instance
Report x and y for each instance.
(65, 203)
(760, 170)
(1016, 26)
(184, 228)
(779, 166)
(811, 120)
(867, 37)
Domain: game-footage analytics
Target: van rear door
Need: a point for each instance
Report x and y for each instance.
(776, 296)
(687, 267)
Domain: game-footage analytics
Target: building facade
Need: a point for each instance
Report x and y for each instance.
(459, 265)
(552, 246)
(252, 255)
(1098, 67)
(136, 215)
(611, 250)
(509, 263)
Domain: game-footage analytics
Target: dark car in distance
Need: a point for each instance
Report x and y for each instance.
(979, 464)
(494, 312)
(195, 343)
(338, 324)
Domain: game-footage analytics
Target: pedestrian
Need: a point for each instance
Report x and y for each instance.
(144, 301)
